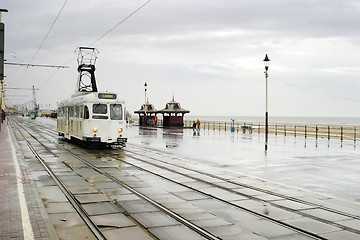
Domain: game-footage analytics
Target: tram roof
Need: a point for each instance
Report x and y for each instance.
(92, 97)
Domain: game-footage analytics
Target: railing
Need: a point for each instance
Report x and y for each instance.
(343, 132)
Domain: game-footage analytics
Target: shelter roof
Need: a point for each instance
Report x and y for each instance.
(173, 107)
(149, 109)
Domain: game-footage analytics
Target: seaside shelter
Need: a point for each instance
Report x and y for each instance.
(173, 114)
(147, 115)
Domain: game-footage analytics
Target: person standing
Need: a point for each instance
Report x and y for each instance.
(194, 128)
(198, 125)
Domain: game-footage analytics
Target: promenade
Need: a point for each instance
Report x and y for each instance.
(315, 171)
(20, 214)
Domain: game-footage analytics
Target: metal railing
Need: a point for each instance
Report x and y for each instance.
(342, 132)
(327, 131)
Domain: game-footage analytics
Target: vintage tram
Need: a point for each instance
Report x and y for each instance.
(91, 117)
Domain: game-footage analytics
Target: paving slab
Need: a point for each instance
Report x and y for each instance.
(312, 225)
(128, 233)
(91, 198)
(213, 222)
(353, 223)
(177, 232)
(51, 194)
(70, 226)
(98, 178)
(81, 190)
(320, 213)
(154, 219)
(101, 208)
(341, 235)
(293, 205)
(190, 195)
(117, 220)
(59, 207)
(137, 206)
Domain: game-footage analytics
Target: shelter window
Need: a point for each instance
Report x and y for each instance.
(100, 108)
(115, 111)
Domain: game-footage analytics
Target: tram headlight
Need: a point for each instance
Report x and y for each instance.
(95, 129)
(120, 130)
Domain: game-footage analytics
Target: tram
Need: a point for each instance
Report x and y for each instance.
(91, 117)
(94, 118)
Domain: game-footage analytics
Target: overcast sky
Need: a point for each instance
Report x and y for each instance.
(208, 53)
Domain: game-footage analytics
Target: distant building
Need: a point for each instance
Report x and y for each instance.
(148, 119)
(173, 114)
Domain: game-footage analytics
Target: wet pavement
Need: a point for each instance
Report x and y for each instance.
(323, 166)
(240, 157)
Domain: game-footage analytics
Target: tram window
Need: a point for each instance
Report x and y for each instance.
(115, 111)
(100, 108)
(77, 111)
(86, 112)
(71, 109)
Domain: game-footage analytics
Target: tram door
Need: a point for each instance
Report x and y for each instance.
(67, 121)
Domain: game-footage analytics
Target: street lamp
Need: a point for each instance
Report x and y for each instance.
(266, 64)
(145, 87)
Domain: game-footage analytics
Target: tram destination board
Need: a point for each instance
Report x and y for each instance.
(106, 96)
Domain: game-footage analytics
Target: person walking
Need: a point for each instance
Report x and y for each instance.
(194, 128)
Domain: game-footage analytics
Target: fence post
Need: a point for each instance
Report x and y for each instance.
(329, 132)
(276, 129)
(225, 126)
(305, 132)
(354, 134)
(295, 131)
(284, 130)
(259, 129)
(341, 132)
(316, 132)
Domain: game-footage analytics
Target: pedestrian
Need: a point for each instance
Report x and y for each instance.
(198, 125)
(194, 128)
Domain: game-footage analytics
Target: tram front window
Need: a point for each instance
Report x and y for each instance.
(99, 108)
(115, 111)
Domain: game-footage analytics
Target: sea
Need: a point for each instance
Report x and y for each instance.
(353, 121)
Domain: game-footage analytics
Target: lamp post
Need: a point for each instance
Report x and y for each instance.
(2, 37)
(266, 63)
(145, 87)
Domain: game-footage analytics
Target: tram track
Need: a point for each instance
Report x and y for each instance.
(85, 216)
(160, 164)
(71, 198)
(265, 191)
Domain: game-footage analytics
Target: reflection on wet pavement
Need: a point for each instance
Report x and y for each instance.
(320, 165)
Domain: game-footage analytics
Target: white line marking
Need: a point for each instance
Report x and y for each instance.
(26, 223)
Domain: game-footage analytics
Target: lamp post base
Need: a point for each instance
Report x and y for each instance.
(266, 130)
